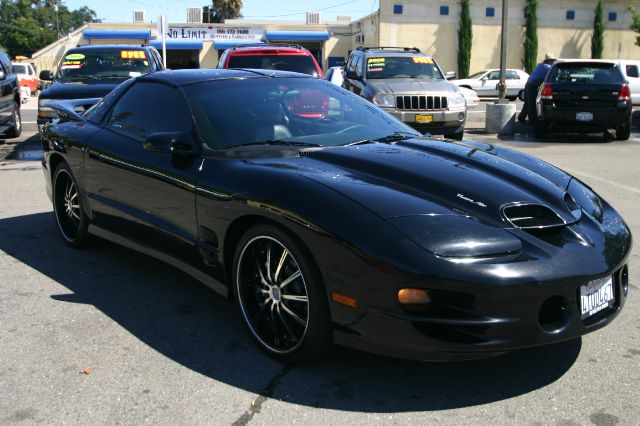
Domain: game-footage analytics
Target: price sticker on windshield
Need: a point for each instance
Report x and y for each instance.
(422, 60)
(132, 54)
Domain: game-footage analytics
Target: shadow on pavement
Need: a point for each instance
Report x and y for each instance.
(27, 150)
(194, 327)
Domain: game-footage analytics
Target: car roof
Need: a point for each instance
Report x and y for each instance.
(391, 53)
(588, 61)
(277, 48)
(185, 77)
(85, 47)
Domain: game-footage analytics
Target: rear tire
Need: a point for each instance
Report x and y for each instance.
(521, 95)
(16, 123)
(280, 295)
(541, 130)
(623, 132)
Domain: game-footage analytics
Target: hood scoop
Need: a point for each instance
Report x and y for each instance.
(529, 216)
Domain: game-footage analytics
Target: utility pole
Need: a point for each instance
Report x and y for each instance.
(56, 7)
(502, 86)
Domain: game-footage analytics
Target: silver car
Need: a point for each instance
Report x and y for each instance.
(409, 85)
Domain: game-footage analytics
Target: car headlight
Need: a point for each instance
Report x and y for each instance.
(44, 111)
(456, 236)
(385, 100)
(457, 100)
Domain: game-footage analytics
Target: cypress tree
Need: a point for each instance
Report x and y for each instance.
(530, 36)
(597, 38)
(465, 38)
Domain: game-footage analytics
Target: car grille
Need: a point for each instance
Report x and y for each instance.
(421, 103)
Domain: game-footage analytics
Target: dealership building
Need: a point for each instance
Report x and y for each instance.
(564, 28)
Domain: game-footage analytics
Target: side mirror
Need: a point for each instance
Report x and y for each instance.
(451, 75)
(2, 75)
(178, 143)
(351, 75)
(485, 78)
(46, 75)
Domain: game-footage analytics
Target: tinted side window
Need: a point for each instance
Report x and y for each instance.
(149, 108)
(632, 71)
(494, 75)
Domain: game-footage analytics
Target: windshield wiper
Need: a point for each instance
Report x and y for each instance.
(396, 136)
(360, 142)
(276, 142)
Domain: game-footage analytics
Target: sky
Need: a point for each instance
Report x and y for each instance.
(121, 11)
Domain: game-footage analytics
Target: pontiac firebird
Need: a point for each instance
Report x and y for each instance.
(326, 220)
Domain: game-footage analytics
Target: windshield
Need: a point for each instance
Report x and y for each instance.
(580, 73)
(20, 69)
(477, 75)
(292, 111)
(296, 63)
(103, 64)
(403, 67)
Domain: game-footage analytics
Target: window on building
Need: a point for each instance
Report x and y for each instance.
(491, 12)
(397, 9)
(444, 10)
(571, 15)
(613, 16)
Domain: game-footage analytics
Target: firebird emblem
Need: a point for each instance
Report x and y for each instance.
(477, 203)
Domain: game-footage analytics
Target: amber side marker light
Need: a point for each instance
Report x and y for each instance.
(344, 300)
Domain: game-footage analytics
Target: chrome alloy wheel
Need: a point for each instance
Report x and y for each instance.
(272, 294)
(67, 205)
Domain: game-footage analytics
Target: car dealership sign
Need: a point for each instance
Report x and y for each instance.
(216, 33)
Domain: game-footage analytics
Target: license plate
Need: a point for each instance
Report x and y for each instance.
(596, 296)
(424, 118)
(584, 116)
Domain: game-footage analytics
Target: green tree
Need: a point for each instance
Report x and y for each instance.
(597, 38)
(220, 10)
(28, 25)
(465, 39)
(635, 26)
(530, 36)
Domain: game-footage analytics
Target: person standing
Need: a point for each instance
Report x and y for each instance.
(533, 85)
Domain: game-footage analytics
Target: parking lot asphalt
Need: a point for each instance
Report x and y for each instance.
(109, 336)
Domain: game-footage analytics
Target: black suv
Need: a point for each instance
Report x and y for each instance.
(409, 85)
(584, 96)
(90, 72)
(10, 121)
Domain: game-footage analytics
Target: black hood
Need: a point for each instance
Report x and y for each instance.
(419, 177)
(58, 90)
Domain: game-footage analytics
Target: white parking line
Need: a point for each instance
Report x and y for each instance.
(610, 182)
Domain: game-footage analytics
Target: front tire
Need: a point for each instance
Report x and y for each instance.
(521, 95)
(72, 221)
(457, 135)
(280, 295)
(16, 123)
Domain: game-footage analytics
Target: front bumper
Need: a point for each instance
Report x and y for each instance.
(442, 122)
(519, 319)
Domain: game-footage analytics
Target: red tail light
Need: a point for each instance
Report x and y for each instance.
(625, 93)
(547, 91)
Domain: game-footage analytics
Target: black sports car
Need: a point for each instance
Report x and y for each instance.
(328, 220)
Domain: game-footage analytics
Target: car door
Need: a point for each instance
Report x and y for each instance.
(140, 188)
(488, 84)
(514, 84)
(6, 94)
